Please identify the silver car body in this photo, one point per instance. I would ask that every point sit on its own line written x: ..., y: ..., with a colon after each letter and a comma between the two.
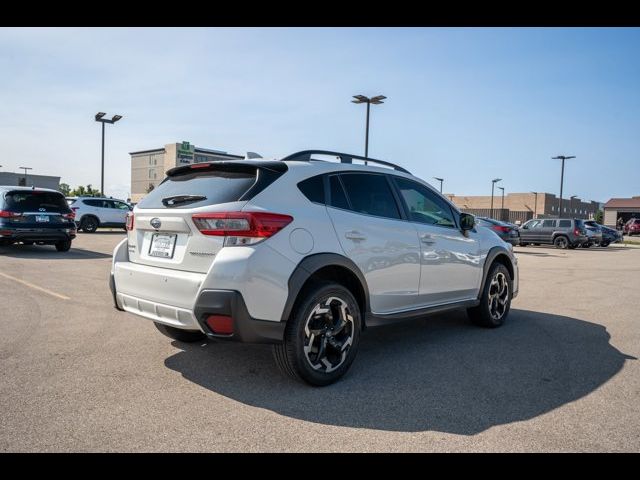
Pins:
x: 407, y: 265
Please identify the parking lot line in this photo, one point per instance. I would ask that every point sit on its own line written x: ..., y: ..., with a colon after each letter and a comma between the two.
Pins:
x: 35, y: 287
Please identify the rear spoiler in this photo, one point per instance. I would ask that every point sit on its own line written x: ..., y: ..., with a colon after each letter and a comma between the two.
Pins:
x: 240, y: 166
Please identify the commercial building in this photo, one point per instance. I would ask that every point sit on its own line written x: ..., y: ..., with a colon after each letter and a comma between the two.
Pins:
x: 19, y: 180
x: 525, y: 206
x: 148, y: 167
x: 624, y: 208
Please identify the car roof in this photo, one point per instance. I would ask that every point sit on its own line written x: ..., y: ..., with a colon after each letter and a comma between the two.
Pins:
x: 13, y: 188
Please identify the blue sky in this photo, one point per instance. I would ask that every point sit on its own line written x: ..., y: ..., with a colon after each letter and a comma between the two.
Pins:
x: 465, y: 104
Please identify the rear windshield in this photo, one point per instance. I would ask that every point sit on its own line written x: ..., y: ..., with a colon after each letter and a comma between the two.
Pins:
x: 199, y: 189
x: 36, y: 201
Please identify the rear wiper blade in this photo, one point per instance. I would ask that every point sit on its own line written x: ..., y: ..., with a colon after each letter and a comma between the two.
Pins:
x: 171, y: 201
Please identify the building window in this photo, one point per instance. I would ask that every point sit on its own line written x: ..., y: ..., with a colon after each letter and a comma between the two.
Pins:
x: 553, y: 209
x: 153, y: 174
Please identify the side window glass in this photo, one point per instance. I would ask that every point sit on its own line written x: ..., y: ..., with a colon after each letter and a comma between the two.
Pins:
x: 370, y: 194
x: 424, y: 205
x: 338, y: 198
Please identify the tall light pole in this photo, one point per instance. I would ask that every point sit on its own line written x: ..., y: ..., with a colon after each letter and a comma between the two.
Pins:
x: 502, y: 205
x: 563, y: 158
x: 440, y: 180
x: 377, y: 100
x: 99, y: 118
x: 535, y: 207
x: 25, y: 174
x: 493, y: 184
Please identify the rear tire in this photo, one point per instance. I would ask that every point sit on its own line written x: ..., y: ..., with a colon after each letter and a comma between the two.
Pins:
x: 186, y: 336
x: 561, y: 242
x: 322, y: 335
x: 89, y: 224
x: 605, y: 244
x: 495, y: 301
x: 63, y: 246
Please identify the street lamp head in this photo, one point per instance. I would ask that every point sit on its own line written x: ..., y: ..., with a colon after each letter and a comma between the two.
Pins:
x: 99, y: 115
x: 360, y: 99
x: 377, y: 100
x: 563, y: 157
x: 439, y: 179
x: 501, y: 188
x: 573, y: 196
x: 116, y: 118
x: 496, y: 180
x: 535, y: 193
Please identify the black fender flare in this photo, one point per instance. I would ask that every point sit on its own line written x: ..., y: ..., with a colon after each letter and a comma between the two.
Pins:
x: 310, y: 265
x: 488, y: 261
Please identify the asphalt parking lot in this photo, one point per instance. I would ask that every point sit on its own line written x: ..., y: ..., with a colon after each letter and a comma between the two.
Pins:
x: 561, y: 375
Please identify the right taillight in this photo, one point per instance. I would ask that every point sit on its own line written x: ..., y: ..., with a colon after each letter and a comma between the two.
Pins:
x: 8, y: 214
x: 577, y: 232
x: 241, y: 228
x: 129, y: 221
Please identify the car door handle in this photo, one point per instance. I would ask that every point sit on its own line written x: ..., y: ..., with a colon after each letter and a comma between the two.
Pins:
x: 427, y: 239
x: 355, y: 235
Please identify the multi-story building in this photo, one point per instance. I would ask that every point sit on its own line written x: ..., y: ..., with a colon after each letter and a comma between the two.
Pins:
x: 148, y: 167
x: 524, y: 206
x: 22, y: 180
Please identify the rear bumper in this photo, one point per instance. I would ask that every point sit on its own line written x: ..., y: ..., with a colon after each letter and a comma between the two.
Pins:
x: 52, y: 235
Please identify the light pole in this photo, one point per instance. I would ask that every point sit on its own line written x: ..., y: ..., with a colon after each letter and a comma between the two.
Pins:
x: 535, y: 207
x: 440, y: 180
x: 377, y: 100
x: 563, y: 158
x: 571, y: 203
x: 99, y: 118
x: 502, y: 205
x: 493, y: 184
x: 25, y: 174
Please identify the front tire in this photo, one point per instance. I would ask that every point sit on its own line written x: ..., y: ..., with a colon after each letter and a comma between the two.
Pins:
x: 495, y: 301
x: 63, y: 246
x: 322, y: 335
x: 187, y: 336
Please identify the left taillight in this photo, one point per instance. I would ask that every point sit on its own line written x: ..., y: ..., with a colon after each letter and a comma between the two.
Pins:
x: 130, y: 221
x: 8, y: 214
x: 69, y: 216
x: 500, y: 228
x: 241, y: 228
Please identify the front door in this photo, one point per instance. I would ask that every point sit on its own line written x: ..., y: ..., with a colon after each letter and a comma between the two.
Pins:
x: 450, y: 260
x: 531, y: 231
x: 370, y: 229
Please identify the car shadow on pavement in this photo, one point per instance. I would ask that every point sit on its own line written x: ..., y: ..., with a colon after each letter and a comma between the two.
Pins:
x: 48, y: 252
x: 439, y: 374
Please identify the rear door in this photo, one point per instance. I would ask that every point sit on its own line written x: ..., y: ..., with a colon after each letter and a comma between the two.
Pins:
x: 545, y: 234
x: 120, y: 212
x: 164, y: 234
x: 368, y: 222
x: 39, y: 210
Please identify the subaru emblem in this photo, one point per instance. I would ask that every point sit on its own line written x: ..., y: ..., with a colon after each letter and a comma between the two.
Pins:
x: 156, y: 223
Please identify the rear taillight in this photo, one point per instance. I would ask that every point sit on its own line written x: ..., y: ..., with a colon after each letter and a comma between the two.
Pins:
x: 8, y: 214
x: 241, y: 228
x: 500, y: 228
x: 69, y: 216
x: 129, y: 221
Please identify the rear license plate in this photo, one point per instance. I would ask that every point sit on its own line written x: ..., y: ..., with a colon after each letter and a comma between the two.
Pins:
x: 162, y: 245
x: 42, y: 218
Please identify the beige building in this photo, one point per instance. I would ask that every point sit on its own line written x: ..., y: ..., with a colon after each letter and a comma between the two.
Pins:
x: 148, y: 167
x: 621, y: 208
x: 524, y: 206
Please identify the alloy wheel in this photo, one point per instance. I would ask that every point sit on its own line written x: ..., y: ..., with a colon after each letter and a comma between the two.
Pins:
x: 328, y: 331
x: 498, y: 295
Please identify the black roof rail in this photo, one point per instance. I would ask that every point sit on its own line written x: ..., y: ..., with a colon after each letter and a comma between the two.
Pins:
x: 305, y: 156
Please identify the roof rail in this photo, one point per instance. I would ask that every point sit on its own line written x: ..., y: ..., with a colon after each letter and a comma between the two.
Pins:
x: 305, y: 156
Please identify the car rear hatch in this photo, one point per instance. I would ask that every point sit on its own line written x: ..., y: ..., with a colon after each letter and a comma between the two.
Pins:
x: 162, y: 230
x: 36, y: 211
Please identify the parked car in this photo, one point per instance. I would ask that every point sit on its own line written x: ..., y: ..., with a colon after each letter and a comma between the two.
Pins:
x: 96, y: 212
x: 563, y: 232
x: 303, y: 254
x: 594, y: 234
x: 632, y: 227
x: 608, y: 235
x: 35, y: 215
x: 506, y: 231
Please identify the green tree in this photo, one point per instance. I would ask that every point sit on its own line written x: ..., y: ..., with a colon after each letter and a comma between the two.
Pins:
x: 599, y: 216
x: 65, y: 189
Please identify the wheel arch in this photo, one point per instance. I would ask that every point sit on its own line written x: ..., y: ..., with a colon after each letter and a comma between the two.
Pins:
x: 499, y: 255
x: 327, y: 267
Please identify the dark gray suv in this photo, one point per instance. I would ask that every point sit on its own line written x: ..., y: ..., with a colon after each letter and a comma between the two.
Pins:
x: 561, y: 232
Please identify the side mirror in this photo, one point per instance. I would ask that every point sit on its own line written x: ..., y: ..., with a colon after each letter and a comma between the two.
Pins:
x: 525, y: 227
x: 467, y: 222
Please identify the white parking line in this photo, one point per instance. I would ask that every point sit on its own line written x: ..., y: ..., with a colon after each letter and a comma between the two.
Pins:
x: 35, y: 287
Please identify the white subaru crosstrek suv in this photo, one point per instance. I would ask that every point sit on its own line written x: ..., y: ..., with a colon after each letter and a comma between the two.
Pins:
x: 304, y: 254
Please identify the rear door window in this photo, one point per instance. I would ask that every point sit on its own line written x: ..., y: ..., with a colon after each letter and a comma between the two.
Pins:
x: 338, y: 197
x: 564, y: 224
x: 199, y: 189
x: 313, y: 188
x: 370, y: 194
x: 36, y: 201
x: 548, y: 223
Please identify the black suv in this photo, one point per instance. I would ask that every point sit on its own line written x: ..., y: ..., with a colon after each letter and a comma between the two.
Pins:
x: 35, y: 215
x: 561, y: 232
